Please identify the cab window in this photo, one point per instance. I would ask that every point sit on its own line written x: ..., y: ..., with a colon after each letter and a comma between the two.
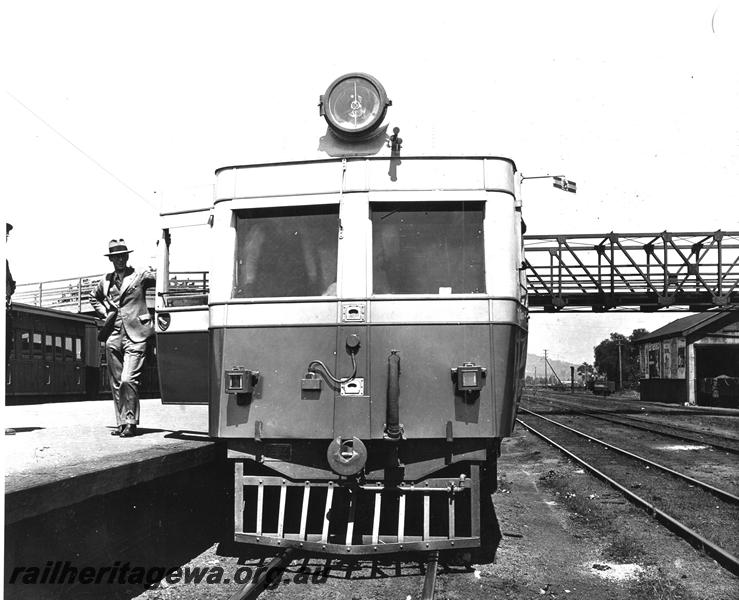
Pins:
x: 286, y: 252
x: 429, y: 248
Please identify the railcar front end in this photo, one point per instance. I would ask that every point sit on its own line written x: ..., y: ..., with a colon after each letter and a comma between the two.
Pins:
x: 362, y: 342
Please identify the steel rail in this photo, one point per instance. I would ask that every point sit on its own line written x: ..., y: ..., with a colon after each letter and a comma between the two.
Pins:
x: 606, y: 416
x: 567, y: 398
x: 724, y: 558
x: 274, y: 568
x: 723, y: 494
x: 277, y: 565
x: 717, y: 411
x: 429, y: 582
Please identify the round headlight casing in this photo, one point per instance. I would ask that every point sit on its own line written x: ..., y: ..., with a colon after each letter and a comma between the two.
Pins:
x: 354, y: 105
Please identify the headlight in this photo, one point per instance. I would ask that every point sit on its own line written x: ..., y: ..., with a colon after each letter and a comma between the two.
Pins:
x: 354, y: 105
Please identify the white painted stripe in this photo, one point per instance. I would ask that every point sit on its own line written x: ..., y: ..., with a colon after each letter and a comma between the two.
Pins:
x: 275, y: 313
x: 379, y: 312
x: 429, y: 311
x: 218, y: 315
x: 507, y: 311
x: 186, y: 320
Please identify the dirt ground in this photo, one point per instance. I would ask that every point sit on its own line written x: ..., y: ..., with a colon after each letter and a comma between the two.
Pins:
x: 565, y: 535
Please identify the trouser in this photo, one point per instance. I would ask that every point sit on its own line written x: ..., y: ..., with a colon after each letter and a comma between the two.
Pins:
x: 125, y: 364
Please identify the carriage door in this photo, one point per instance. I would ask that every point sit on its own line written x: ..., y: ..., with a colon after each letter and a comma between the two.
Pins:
x: 50, y: 372
x: 11, y: 354
x: 182, y: 342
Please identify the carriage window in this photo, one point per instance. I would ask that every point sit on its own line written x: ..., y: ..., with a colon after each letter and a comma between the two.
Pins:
x: 78, y: 348
x: 433, y: 248
x: 68, y: 351
x: 37, y: 346
x: 25, y: 344
x: 286, y: 251
x: 48, y: 347
x: 59, y: 347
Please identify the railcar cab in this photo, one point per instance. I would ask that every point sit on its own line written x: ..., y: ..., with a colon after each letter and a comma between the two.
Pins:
x: 365, y: 325
x: 316, y: 256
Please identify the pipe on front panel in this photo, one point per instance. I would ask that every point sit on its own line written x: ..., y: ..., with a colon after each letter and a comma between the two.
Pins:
x: 393, y: 429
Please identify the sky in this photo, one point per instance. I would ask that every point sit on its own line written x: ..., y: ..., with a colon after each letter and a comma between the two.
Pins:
x: 109, y: 107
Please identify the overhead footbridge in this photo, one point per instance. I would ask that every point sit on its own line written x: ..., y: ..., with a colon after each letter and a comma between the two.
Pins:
x: 646, y: 272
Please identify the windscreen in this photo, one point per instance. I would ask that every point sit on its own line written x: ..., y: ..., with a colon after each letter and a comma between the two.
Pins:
x: 286, y: 251
x: 428, y: 248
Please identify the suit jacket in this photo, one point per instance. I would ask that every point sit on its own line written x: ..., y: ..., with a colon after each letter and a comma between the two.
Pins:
x: 131, y: 304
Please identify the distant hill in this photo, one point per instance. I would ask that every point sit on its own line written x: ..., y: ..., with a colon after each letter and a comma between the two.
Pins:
x: 535, y: 363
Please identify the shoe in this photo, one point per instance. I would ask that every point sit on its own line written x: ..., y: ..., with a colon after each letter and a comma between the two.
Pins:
x: 117, y: 430
x: 128, y: 431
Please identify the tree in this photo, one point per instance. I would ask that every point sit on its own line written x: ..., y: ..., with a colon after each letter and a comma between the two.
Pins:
x: 638, y: 333
x: 585, y: 371
x: 606, y: 357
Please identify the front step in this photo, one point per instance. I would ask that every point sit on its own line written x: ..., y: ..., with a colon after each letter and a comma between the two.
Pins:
x: 340, y: 518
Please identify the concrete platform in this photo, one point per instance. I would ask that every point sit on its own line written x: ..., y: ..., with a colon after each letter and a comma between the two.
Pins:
x: 63, y: 453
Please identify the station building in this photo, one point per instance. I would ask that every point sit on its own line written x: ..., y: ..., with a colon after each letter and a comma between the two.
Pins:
x: 693, y: 360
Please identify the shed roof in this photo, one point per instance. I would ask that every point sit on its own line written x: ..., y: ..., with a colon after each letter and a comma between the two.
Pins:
x: 688, y: 325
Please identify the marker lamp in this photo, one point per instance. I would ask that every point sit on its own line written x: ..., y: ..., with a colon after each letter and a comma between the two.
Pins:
x: 469, y: 377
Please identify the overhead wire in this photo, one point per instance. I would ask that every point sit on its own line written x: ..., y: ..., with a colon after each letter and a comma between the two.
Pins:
x: 85, y: 154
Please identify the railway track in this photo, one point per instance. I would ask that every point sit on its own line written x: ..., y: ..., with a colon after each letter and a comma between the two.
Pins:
x: 704, y: 515
x: 670, y: 409
x: 718, y: 441
x: 279, y: 563
x: 658, y: 412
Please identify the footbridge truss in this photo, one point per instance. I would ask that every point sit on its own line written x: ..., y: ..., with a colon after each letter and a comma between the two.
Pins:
x: 578, y: 272
x: 632, y: 271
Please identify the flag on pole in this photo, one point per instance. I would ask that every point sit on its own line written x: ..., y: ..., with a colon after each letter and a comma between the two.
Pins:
x: 565, y: 184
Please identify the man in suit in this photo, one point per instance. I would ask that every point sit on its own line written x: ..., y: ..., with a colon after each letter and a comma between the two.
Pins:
x: 120, y: 297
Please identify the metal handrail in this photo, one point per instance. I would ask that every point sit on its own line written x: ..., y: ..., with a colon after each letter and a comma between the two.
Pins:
x: 73, y: 296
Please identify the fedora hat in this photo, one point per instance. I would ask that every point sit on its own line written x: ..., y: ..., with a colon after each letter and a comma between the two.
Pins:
x: 117, y: 247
